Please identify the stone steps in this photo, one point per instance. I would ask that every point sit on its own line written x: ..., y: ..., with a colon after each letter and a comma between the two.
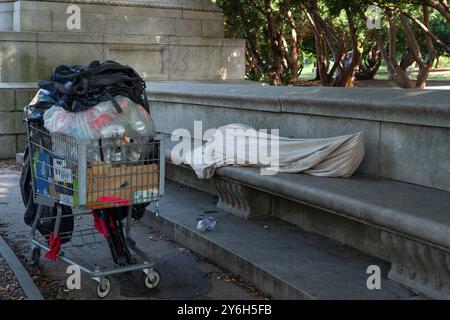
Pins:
x: 395, y: 207
x: 277, y: 257
x: 404, y: 224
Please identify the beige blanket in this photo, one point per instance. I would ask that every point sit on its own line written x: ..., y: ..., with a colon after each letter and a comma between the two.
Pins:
x: 240, y: 145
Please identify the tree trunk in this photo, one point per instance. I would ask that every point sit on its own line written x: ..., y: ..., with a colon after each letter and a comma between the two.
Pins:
x: 348, y: 72
x: 294, y: 53
x: 424, y: 67
x: 317, y: 78
x: 407, y: 60
x: 322, y: 62
x: 440, y: 6
x: 369, y: 66
x: 326, y: 38
x: 396, y: 73
x: 437, y: 61
x: 277, y: 58
x: 252, y: 51
x: 425, y: 72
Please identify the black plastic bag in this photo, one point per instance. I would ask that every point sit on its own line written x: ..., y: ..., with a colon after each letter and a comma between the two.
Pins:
x: 80, y: 87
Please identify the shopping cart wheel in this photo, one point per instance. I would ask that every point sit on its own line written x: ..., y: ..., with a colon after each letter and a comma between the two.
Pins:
x: 34, y: 256
x: 103, y: 287
x: 152, y: 278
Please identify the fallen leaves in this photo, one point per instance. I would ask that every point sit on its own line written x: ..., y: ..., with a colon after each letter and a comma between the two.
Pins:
x: 231, y: 279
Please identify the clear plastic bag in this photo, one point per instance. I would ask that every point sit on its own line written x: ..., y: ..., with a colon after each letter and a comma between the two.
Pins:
x: 101, y: 121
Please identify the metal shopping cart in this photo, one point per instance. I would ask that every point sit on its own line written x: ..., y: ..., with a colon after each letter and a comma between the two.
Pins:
x: 115, y: 178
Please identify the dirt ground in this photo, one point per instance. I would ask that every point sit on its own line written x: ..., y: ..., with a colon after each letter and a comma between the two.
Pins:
x: 9, y: 286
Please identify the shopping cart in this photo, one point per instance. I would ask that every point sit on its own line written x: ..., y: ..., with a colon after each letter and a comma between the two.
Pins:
x: 115, y: 178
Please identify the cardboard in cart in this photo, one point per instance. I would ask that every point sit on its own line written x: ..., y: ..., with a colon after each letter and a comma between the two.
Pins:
x: 125, y: 184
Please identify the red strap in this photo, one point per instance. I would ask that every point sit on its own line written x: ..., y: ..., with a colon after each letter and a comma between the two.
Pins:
x: 55, y: 245
x: 99, y: 224
x: 113, y: 200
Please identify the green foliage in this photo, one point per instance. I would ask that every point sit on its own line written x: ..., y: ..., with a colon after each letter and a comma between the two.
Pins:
x: 247, y: 19
x: 441, y: 28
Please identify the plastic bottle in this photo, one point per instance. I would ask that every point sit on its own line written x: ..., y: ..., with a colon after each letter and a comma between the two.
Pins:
x: 206, y: 224
x: 113, y: 131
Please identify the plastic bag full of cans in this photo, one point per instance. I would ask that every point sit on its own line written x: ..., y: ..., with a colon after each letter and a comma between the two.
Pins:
x: 101, y: 121
x: 102, y: 125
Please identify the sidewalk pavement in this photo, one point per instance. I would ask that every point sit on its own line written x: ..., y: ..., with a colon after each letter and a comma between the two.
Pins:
x: 185, y: 275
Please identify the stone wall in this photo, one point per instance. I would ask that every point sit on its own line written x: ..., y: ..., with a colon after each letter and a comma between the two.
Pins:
x: 115, y: 17
x: 407, y: 133
x: 162, y: 40
x: 30, y: 56
x: 13, y: 97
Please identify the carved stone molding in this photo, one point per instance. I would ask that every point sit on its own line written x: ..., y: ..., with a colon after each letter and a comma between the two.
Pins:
x: 138, y: 3
x: 241, y: 201
x: 419, y: 266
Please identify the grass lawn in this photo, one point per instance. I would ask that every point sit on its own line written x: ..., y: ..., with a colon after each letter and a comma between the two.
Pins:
x: 382, y: 74
x: 307, y: 74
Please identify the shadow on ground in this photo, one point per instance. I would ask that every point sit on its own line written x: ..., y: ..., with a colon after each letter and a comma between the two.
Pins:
x: 182, y: 278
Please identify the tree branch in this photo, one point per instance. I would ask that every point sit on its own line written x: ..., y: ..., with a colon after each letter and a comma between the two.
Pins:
x: 412, y: 41
x: 427, y: 31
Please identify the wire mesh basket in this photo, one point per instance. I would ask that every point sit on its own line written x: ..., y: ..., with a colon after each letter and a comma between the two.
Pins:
x: 103, y: 173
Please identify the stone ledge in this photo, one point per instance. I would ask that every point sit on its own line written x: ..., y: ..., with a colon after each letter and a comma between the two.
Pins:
x: 12, y: 36
x: 427, y: 107
x: 411, y: 144
x: 410, y: 210
x: 107, y: 38
x: 214, y: 41
x: 18, y: 85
